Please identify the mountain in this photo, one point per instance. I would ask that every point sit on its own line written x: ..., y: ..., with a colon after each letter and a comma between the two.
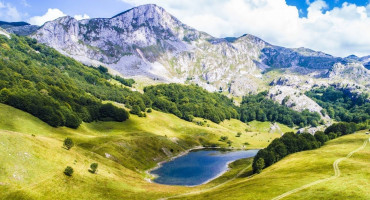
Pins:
x: 19, y: 28
x: 147, y: 41
x: 4, y: 24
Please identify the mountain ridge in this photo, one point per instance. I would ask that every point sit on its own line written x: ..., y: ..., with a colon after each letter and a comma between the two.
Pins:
x: 147, y: 41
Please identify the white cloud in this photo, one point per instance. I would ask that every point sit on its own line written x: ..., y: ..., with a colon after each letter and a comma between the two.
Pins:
x: 81, y: 17
x: 341, y: 31
x: 51, y: 14
x: 9, y: 13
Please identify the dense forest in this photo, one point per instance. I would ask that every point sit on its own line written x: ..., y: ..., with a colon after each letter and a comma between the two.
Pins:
x: 258, y: 107
x: 58, y: 89
x: 342, y: 105
x: 290, y: 143
x: 191, y: 101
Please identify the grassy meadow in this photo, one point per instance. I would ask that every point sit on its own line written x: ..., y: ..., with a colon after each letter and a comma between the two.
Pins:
x: 32, y: 159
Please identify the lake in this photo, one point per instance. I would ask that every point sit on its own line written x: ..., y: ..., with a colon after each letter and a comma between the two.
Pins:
x: 198, y: 166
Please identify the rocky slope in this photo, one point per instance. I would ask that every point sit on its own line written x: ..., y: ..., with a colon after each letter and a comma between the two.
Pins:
x: 148, y: 41
x: 19, y: 28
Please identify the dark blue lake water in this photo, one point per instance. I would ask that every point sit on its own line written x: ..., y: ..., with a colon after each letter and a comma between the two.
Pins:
x: 198, y: 166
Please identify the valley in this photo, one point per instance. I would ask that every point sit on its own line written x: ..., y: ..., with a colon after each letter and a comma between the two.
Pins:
x: 102, y: 108
x: 35, y: 164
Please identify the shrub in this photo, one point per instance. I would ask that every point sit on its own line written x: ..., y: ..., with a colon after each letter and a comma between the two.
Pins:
x: 68, y: 171
x: 102, y: 69
x: 135, y: 110
x: 93, y: 168
x: 238, y: 134
x: 223, y: 138
x: 68, y: 143
x: 149, y: 110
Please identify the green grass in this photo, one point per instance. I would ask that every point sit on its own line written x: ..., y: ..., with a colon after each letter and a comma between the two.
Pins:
x: 31, y: 167
x: 305, y: 167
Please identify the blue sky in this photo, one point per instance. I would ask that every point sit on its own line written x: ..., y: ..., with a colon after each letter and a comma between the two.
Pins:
x: 302, y: 5
x: 338, y: 27
x: 108, y: 8
x: 93, y: 8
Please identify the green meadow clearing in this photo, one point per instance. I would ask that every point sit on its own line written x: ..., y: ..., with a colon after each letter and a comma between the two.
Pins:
x: 32, y: 160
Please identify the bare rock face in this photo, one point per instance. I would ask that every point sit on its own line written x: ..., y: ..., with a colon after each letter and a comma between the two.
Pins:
x: 147, y: 41
x: 294, y: 98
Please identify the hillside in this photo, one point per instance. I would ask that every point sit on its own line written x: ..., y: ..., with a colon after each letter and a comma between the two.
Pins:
x: 307, y: 175
x: 33, y: 158
x: 30, y: 172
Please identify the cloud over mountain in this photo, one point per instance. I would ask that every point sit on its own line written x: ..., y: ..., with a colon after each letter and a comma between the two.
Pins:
x: 340, y: 31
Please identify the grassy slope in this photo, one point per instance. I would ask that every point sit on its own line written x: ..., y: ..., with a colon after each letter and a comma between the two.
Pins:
x: 31, y: 166
x: 302, y: 168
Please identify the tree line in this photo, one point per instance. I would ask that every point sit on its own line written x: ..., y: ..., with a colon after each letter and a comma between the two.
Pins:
x: 341, y: 104
x: 258, y: 107
x: 291, y: 143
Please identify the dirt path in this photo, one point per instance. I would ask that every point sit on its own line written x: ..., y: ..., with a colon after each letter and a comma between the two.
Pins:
x: 336, y: 175
x: 211, y: 188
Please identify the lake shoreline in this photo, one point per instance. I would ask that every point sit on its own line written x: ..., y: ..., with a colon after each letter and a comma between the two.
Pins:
x: 159, y: 164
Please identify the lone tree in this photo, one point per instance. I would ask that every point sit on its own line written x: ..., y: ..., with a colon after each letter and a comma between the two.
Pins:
x: 260, y: 164
x: 68, y: 171
x: 68, y: 143
x: 93, y: 168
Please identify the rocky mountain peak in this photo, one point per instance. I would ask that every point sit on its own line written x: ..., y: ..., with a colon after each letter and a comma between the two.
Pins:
x: 148, y: 41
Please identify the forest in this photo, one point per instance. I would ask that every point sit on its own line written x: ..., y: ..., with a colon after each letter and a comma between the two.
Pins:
x: 258, y: 107
x: 342, y: 105
x: 191, y: 101
x: 57, y: 89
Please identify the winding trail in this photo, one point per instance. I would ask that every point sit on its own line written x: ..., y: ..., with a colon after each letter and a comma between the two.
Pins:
x: 211, y: 188
x: 336, y: 175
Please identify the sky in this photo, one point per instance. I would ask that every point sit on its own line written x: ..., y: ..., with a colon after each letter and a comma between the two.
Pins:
x: 337, y: 27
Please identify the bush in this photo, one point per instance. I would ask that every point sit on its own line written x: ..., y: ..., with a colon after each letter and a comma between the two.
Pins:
x: 260, y: 164
x: 68, y: 171
x: 223, y: 138
x: 135, y: 110
x: 149, y: 110
x: 93, y: 168
x: 102, y: 69
x: 68, y: 143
